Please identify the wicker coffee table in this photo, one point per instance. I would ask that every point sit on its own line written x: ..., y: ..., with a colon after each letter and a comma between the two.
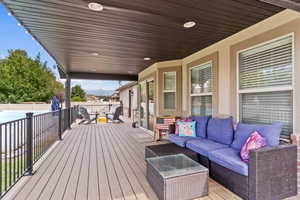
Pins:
x: 169, y: 149
x: 177, y: 177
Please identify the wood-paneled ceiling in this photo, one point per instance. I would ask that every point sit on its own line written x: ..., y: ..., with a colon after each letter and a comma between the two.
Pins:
x: 127, y: 31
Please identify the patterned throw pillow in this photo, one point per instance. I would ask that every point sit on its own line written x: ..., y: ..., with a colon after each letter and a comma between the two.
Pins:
x: 187, y: 129
x: 177, y: 126
x: 255, y: 141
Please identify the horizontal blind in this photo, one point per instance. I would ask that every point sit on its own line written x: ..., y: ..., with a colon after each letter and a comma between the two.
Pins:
x: 201, y: 105
x: 201, y: 79
x: 268, y: 108
x: 268, y: 65
x: 169, y: 100
x: 169, y: 80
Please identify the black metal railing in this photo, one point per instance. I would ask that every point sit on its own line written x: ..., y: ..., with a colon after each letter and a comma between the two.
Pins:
x: 24, y: 141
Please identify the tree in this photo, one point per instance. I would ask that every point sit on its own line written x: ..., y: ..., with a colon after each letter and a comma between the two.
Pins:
x: 23, y: 79
x: 78, y: 94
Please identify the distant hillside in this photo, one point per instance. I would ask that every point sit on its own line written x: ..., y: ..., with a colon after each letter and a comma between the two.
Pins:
x: 100, y: 92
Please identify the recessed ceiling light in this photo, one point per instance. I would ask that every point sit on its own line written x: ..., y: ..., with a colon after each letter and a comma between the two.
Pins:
x: 147, y: 58
x: 189, y: 24
x: 93, y: 70
x: 130, y: 72
x: 95, y: 54
x: 95, y: 6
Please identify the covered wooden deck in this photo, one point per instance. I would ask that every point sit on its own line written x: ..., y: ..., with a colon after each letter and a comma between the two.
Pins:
x: 97, y: 162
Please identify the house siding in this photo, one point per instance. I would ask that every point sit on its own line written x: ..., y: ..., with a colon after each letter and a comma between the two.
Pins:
x: 124, y: 97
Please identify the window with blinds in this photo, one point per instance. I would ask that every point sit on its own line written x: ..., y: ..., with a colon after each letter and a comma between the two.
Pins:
x: 169, y: 90
x: 266, y: 84
x: 201, y: 90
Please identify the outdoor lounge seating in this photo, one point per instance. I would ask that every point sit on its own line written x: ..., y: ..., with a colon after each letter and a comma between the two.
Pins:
x: 271, y: 172
x: 115, y: 116
x: 86, y: 117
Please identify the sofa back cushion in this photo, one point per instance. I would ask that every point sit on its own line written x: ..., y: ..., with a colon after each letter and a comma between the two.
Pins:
x: 270, y: 132
x: 201, y: 125
x: 220, y: 130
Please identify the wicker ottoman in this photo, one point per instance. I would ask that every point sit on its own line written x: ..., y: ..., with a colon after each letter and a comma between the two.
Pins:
x: 169, y: 149
x: 177, y: 177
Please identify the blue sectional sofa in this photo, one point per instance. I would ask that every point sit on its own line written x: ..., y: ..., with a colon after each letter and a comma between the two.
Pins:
x: 271, y: 172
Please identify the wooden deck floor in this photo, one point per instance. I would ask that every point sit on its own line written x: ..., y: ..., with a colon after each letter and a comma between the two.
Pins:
x: 97, y: 162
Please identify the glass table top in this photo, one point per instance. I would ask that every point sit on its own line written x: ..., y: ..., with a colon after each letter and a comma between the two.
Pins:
x: 175, y: 165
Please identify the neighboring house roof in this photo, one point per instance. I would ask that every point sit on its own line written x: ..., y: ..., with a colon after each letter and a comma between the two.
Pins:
x: 128, y: 85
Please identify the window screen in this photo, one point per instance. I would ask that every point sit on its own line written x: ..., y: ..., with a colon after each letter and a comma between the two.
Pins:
x: 169, y: 90
x: 201, y: 79
x: 201, y: 105
x: 268, y: 108
x: 267, y: 66
x: 263, y: 72
x: 201, y: 90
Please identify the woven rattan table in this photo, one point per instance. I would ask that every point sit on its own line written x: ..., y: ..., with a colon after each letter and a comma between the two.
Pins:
x: 169, y: 149
x: 177, y: 177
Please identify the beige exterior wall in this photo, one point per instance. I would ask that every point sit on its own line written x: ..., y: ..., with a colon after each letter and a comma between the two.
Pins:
x: 224, y: 47
x: 278, y: 25
x: 152, y: 73
x: 124, y: 97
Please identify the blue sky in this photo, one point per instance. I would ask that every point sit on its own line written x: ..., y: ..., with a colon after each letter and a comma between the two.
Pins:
x: 15, y: 37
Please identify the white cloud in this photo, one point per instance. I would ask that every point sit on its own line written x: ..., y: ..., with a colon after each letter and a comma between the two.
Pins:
x: 2, y: 56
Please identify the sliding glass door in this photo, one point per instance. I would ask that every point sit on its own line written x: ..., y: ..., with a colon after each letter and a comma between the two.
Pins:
x: 143, y: 105
x: 147, y: 105
x: 150, y: 87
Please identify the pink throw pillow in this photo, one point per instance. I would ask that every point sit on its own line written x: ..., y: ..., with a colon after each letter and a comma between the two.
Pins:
x: 255, y: 141
x: 177, y: 126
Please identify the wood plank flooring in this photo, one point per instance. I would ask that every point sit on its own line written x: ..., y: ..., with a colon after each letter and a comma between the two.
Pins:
x: 98, y: 162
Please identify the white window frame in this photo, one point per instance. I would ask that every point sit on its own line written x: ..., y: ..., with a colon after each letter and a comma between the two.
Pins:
x: 266, y: 89
x: 190, y: 84
x: 169, y: 91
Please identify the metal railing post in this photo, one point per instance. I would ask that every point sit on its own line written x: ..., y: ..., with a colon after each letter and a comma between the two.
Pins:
x: 29, y: 142
x: 69, y: 118
x: 59, y: 124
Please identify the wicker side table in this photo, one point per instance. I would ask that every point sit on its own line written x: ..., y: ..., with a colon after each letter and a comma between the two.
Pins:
x: 177, y: 177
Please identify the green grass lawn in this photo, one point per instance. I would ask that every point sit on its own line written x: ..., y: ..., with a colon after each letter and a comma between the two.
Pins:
x: 17, y: 166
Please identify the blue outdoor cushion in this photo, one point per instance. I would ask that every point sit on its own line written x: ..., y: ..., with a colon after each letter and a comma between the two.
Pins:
x: 220, y: 130
x: 204, y: 146
x: 270, y: 132
x: 179, y: 140
x: 201, y: 125
x: 230, y: 159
